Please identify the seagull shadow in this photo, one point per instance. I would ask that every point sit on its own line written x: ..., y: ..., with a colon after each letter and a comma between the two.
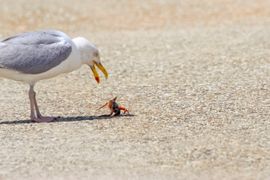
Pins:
x: 68, y: 119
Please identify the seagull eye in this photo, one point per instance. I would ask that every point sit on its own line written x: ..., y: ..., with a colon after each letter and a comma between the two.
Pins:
x: 96, y: 54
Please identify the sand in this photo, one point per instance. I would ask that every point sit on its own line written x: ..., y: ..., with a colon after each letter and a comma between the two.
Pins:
x: 194, y: 74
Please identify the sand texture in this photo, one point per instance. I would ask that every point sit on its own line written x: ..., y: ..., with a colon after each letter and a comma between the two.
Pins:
x: 194, y: 74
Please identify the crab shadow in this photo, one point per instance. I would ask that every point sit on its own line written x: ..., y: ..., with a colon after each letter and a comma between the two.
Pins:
x: 68, y: 119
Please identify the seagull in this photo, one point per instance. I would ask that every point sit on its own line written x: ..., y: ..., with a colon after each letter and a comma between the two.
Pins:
x: 33, y: 56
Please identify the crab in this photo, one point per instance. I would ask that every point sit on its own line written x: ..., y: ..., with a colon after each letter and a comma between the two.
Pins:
x: 114, y: 108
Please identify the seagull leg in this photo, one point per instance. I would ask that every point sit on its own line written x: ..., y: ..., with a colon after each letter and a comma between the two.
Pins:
x: 34, y: 106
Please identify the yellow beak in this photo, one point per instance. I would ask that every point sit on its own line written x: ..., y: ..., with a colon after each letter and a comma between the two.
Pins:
x: 95, y: 73
x: 102, y: 68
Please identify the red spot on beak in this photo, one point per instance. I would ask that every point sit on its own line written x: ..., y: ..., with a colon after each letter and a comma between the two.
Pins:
x: 97, y: 79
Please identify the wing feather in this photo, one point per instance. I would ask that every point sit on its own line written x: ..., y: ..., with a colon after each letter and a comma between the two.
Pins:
x: 34, y: 52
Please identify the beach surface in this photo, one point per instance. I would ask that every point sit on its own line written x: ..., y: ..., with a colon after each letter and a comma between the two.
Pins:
x: 194, y: 75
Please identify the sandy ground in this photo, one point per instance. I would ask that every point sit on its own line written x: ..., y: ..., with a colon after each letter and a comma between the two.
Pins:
x: 195, y: 75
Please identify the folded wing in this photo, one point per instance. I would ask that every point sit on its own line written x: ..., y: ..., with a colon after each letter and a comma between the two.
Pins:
x: 34, y: 52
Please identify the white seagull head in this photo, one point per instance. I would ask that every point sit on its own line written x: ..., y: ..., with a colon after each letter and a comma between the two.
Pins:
x: 89, y: 55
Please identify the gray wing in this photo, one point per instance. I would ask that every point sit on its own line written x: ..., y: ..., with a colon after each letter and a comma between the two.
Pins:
x: 34, y: 52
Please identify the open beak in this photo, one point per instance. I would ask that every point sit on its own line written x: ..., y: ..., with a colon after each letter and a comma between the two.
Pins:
x: 102, y: 69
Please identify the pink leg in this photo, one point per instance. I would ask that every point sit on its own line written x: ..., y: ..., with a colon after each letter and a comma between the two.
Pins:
x: 32, y: 115
x: 37, y: 117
